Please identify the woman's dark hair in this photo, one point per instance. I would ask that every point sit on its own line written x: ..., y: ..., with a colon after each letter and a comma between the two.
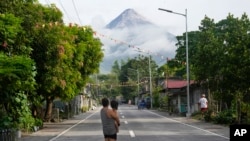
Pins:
x: 114, y: 104
x: 105, y: 102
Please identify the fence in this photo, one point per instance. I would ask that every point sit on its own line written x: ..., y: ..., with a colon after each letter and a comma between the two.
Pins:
x: 8, y: 135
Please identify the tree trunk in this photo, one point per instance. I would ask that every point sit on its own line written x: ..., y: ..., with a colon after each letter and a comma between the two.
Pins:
x: 49, y: 106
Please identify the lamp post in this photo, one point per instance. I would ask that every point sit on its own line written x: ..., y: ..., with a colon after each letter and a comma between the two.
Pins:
x: 187, y: 62
x: 138, y: 88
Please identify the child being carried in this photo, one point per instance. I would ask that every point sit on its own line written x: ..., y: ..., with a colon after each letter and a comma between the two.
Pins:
x: 114, y: 106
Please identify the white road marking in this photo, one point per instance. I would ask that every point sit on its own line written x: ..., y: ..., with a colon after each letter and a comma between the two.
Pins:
x: 123, y: 117
x: 72, y: 126
x: 126, y: 122
x: 189, y: 125
x: 132, y: 134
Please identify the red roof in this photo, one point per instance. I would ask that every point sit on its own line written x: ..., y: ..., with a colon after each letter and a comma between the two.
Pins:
x: 176, y: 84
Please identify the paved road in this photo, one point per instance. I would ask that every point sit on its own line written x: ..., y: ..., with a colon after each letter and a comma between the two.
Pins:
x: 136, y: 125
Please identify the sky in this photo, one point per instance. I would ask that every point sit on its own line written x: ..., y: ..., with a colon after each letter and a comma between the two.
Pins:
x: 98, y: 13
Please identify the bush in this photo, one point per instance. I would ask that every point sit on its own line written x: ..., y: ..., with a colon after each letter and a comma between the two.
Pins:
x: 5, y: 122
x: 209, y: 116
x: 38, y: 122
x: 27, y: 123
x: 225, y: 117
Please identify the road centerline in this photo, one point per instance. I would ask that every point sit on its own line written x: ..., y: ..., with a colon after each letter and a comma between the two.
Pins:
x: 131, y: 133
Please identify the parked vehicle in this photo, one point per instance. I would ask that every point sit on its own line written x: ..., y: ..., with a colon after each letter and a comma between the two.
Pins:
x: 141, y: 104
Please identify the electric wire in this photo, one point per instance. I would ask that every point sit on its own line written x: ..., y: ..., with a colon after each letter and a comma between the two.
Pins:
x: 48, y: 2
x: 65, y: 11
x: 77, y: 14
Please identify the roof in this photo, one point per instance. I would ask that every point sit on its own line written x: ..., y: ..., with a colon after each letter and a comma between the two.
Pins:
x: 176, y: 83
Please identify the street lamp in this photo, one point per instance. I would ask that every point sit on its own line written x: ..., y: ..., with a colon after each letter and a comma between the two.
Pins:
x: 138, y: 88
x: 187, y: 62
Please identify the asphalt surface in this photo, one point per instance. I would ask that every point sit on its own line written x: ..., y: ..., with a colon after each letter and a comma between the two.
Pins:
x: 136, y: 125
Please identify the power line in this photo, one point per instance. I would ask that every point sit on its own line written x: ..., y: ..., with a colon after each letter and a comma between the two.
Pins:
x: 77, y: 12
x: 65, y: 10
x: 48, y: 2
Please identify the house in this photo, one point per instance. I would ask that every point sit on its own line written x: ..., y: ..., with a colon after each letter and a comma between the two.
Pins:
x: 87, y: 100
x: 176, y: 89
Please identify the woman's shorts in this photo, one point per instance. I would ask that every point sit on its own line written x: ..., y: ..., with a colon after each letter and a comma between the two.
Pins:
x: 203, y: 109
x: 114, y: 136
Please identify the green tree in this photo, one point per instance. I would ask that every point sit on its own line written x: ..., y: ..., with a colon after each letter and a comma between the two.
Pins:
x: 222, y: 57
x: 32, y: 15
x: 178, y: 64
x: 116, y: 68
x: 17, y: 70
x: 10, y: 26
x: 128, y: 77
x: 65, y: 56
x: 17, y: 84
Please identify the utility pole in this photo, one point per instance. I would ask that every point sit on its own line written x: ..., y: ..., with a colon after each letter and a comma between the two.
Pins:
x: 150, y: 82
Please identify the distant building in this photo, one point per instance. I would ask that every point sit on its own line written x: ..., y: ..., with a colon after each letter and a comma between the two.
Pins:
x: 176, y: 89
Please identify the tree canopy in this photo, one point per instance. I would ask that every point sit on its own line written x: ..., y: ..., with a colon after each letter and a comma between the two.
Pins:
x: 36, y: 45
x: 219, y: 58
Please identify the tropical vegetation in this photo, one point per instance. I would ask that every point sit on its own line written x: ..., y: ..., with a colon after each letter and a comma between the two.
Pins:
x: 41, y: 59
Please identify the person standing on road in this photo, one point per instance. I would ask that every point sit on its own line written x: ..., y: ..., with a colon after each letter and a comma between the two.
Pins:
x: 203, y: 104
x: 108, y: 118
